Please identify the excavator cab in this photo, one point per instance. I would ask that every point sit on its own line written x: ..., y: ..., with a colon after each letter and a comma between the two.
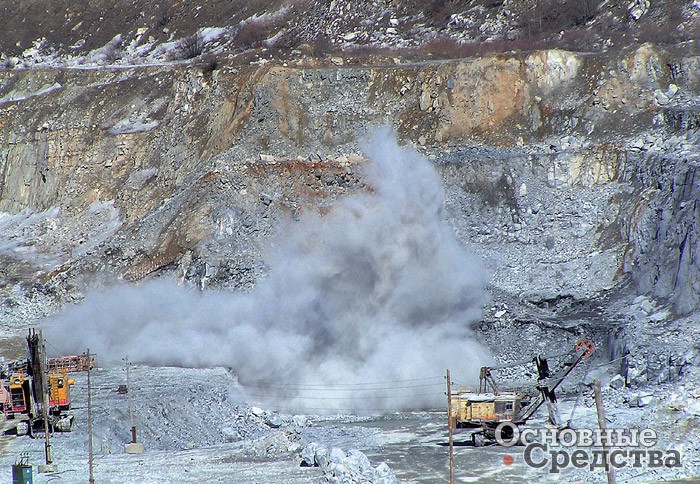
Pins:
x: 59, y: 391
x: 473, y: 410
x: 19, y: 401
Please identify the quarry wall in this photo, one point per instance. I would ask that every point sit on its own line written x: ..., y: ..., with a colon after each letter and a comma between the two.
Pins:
x: 189, y: 168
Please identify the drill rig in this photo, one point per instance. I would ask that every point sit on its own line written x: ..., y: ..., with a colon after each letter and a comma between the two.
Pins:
x: 490, y: 406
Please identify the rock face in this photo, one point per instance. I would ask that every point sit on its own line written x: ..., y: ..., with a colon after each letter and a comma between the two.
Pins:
x: 663, y: 230
x: 551, y: 162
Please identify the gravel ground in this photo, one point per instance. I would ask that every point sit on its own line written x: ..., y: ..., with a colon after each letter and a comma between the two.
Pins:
x: 196, y: 426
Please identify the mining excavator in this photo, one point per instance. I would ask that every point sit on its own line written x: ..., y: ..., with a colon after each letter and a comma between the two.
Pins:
x: 25, y: 383
x: 486, y: 409
x: 23, y: 406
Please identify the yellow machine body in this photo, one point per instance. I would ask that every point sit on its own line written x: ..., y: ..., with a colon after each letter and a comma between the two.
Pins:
x: 468, y: 409
x: 59, y: 391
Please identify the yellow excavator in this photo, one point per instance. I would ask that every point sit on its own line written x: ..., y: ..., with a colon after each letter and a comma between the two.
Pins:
x: 486, y: 409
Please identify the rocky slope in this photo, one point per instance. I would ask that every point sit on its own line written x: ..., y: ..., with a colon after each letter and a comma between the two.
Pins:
x: 144, y: 31
x: 567, y: 171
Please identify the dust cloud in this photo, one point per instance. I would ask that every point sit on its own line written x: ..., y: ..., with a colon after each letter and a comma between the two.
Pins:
x: 376, y: 290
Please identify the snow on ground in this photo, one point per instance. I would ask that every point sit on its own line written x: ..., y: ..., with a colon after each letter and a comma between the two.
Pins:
x: 47, y: 239
x: 196, y: 427
x: 192, y: 422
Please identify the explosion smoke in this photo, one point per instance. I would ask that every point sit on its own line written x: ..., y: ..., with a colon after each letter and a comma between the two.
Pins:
x: 378, y: 289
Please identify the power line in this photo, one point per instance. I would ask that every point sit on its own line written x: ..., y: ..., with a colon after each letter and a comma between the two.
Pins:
x: 347, y: 410
x: 440, y: 377
x: 358, y: 397
x: 333, y: 388
x: 156, y: 386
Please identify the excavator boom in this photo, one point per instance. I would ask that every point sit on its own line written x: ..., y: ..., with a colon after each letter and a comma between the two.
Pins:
x: 548, y: 382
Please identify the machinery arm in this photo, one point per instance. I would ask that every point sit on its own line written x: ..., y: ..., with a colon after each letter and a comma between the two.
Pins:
x: 548, y: 382
x: 485, y: 379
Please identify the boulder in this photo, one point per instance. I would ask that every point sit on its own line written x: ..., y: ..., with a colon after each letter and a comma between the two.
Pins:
x: 341, y: 468
x: 358, y: 461
x: 308, y: 455
x: 384, y: 475
x: 300, y: 420
x: 274, y: 421
x: 645, y: 399
x: 637, y: 376
x: 321, y: 458
x: 638, y: 8
x: 336, y: 456
x: 617, y: 382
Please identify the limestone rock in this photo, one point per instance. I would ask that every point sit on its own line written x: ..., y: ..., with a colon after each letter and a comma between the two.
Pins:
x: 617, y: 382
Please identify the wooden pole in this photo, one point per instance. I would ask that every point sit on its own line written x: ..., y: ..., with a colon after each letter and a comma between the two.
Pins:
x: 603, y: 426
x: 89, y: 399
x: 449, y: 426
x: 44, y: 397
x: 128, y: 394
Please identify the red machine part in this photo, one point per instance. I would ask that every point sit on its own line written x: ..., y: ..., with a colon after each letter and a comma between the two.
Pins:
x: 586, y: 344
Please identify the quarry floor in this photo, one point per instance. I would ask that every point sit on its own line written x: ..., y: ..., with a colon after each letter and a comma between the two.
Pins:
x: 182, y: 438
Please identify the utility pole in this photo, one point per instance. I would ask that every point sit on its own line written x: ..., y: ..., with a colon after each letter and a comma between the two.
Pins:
x: 131, y: 407
x: 89, y: 399
x: 449, y: 426
x: 133, y: 447
x: 603, y: 427
x: 44, y: 397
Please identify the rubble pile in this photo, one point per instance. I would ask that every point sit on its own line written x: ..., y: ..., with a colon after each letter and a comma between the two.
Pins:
x: 340, y: 467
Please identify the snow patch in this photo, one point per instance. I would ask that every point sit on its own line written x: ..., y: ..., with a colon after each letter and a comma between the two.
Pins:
x: 22, y: 236
x: 23, y: 96
x: 130, y: 126
x: 211, y: 34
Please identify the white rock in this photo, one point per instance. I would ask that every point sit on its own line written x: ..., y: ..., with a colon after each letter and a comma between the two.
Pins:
x: 308, y: 454
x: 257, y: 411
x: 661, y: 98
x: 636, y: 375
x: 645, y: 305
x: 425, y: 101
x: 358, y: 461
x: 384, y: 475
x: 300, y: 420
x: 523, y: 190
x: 617, y: 382
x: 274, y: 421
x: 337, y: 455
x: 638, y: 8
x: 321, y: 457
x: 693, y: 407
x: 659, y: 316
